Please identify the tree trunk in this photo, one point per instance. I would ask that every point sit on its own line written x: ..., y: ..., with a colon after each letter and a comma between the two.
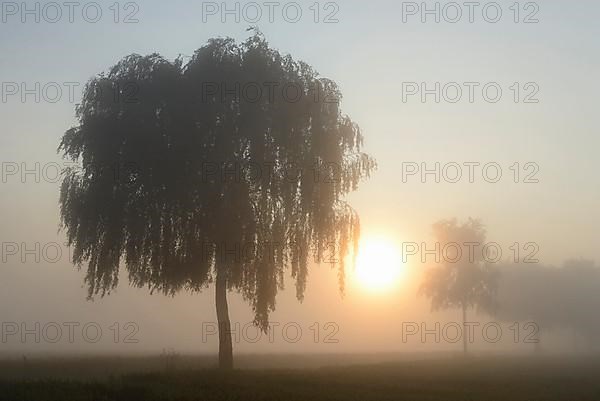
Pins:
x: 464, y: 319
x: 225, y: 343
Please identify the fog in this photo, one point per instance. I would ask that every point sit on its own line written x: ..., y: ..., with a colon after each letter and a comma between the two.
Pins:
x: 541, y: 212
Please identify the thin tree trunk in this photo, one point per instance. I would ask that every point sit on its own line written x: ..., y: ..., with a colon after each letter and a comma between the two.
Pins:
x: 464, y: 318
x: 225, y: 343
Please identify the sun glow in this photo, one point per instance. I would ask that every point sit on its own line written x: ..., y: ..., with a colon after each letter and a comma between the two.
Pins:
x: 378, y: 264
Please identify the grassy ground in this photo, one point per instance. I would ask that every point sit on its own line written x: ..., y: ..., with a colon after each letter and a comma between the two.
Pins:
x: 448, y: 379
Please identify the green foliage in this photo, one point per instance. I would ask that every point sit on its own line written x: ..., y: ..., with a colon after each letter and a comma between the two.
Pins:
x: 149, y: 133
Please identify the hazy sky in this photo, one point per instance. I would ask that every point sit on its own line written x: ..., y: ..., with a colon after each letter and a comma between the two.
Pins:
x: 370, y: 52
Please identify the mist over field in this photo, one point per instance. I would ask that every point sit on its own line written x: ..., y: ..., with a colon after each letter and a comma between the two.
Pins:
x: 389, y: 200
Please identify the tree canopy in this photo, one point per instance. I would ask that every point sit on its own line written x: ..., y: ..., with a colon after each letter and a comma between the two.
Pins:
x: 153, y: 189
x: 466, y: 280
x: 552, y: 297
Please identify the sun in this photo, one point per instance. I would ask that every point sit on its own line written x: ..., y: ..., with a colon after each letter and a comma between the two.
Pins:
x: 378, y: 264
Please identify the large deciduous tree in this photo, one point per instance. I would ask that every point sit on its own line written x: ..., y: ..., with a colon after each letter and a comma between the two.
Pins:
x: 241, y: 148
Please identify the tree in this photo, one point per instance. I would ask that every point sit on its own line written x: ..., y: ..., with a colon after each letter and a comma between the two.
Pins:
x: 551, y: 298
x: 463, y: 278
x: 229, y: 169
x: 530, y: 293
x: 579, y: 300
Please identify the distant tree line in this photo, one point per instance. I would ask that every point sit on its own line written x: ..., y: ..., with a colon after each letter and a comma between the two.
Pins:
x: 554, y: 298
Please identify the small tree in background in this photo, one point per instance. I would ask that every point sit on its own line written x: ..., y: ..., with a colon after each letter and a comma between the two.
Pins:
x: 175, y: 212
x: 462, y: 280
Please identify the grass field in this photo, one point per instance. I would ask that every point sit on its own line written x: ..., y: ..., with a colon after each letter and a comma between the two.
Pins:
x: 474, y: 378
